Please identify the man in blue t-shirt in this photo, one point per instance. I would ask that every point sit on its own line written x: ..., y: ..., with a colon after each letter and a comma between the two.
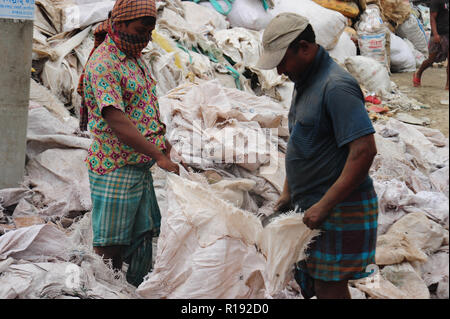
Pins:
x: 438, y: 46
x: 330, y: 150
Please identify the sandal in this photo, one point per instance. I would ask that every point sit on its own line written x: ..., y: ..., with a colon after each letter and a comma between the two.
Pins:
x: 416, y: 80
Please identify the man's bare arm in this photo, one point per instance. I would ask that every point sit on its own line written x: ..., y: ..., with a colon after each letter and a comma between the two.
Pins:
x: 284, y: 202
x: 360, y: 158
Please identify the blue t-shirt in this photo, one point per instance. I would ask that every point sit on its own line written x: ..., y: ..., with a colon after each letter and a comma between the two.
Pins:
x: 326, y: 114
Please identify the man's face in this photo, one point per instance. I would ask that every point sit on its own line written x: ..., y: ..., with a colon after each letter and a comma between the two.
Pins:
x: 294, y: 63
x: 140, y: 27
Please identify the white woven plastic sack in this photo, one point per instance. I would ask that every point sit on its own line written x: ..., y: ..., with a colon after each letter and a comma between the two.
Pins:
x: 435, y: 272
x: 414, y: 31
x: 419, y: 56
x: 402, y: 57
x: 85, y: 13
x: 35, y: 243
x: 242, y: 45
x: 249, y: 14
x: 373, y: 45
x: 201, y: 18
x: 344, y: 49
x: 327, y: 24
x: 369, y: 73
x: 370, y: 21
x: 34, y: 264
x: 61, y: 177
x: 209, y: 248
x: 59, y: 76
x: 405, y: 278
x: 372, y: 35
x: 410, y: 239
x: 205, y: 119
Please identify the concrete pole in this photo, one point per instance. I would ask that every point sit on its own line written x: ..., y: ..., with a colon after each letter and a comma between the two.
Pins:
x: 16, y: 40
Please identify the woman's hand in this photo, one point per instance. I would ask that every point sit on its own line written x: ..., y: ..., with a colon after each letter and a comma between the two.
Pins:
x: 166, y: 164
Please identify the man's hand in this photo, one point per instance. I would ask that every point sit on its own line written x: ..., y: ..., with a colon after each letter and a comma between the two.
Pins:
x: 361, y: 154
x: 315, y: 216
x: 283, y: 203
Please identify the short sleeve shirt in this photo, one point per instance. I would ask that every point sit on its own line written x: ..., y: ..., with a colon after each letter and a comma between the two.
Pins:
x: 113, y: 79
x: 327, y: 113
x: 441, y: 8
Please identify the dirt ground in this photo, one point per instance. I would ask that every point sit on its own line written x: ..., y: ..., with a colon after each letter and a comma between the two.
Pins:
x: 431, y: 92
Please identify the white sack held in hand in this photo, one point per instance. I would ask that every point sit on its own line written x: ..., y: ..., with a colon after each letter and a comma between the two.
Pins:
x: 207, y: 248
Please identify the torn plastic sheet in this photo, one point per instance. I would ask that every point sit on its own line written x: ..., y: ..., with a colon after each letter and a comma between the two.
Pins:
x: 43, y: 262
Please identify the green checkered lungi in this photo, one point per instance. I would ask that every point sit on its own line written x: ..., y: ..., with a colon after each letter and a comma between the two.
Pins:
x: 125, y: 212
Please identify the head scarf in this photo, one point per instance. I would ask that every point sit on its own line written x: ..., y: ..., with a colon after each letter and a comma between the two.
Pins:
x: 131, y: 45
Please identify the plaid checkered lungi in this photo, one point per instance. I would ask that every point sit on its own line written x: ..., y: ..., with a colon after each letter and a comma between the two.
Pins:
x: 124, y: 205
x: 125, y: 212
x: 347, y: 243
x: 440, y: 49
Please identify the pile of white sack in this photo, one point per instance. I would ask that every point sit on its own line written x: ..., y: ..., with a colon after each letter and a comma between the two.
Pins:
x: 228, y: 119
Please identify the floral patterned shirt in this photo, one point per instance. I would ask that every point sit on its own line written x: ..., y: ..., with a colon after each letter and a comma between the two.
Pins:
x: 113, y: 79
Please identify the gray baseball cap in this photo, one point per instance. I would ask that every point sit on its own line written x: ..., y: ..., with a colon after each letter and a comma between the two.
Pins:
x: 279, y: 34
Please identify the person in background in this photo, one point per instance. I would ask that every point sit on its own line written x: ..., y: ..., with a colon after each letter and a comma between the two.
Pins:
x: 330, y: 150
x: 120, y: 108
x: 438, y: 46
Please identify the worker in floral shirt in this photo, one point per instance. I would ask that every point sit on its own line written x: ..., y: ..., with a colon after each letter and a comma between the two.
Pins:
x: 120, y: 108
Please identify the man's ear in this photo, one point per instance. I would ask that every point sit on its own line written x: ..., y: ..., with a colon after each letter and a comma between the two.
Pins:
x: 303, y: 46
